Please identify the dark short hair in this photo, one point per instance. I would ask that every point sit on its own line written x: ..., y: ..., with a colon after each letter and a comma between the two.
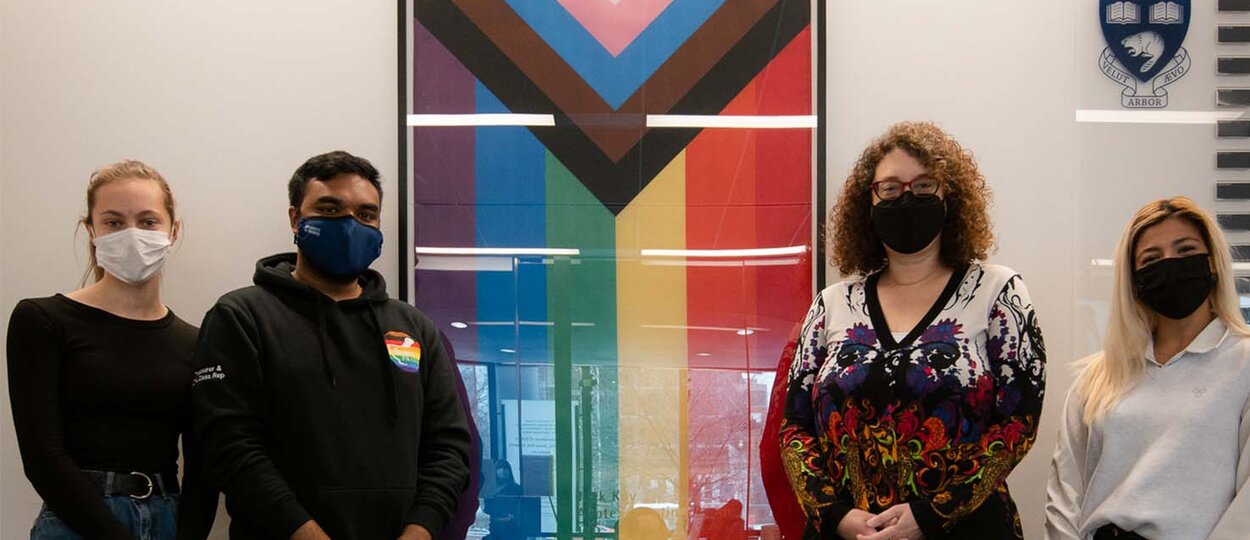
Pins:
x: 327, y: 166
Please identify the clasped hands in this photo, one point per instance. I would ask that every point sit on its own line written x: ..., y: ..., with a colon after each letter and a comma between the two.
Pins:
x: 896, y: 523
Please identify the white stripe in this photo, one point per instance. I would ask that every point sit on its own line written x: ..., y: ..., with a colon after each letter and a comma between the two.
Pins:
x: 723, y: 264
x: 1153, y: 117
x: 484, y: 119
x: 424, y: 250
x: 464, y: 264
x: 1238, y: 266
x: 729, y: 121
x: 718, y: 253
x: 527, y: 323
x: 741, y: 331
x: 653, y: 120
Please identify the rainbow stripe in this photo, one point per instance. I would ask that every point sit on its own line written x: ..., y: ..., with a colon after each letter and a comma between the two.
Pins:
x: 404, y: 351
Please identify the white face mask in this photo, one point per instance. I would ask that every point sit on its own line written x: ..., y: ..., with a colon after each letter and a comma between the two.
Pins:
x: 132, y: 255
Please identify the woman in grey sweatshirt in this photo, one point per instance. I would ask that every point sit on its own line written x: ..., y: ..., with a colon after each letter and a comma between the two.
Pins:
x: 1156, y: 429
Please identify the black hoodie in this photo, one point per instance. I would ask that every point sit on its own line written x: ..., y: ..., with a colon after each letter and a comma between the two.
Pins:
x: 345, y: 413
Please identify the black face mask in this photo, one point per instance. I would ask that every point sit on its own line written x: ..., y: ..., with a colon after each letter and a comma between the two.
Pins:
x: 1175, y: 287
x: 909, y: 223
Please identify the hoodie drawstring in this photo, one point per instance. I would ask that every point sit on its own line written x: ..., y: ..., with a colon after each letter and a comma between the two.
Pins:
x: 388, y: 374
x: 321, y: 340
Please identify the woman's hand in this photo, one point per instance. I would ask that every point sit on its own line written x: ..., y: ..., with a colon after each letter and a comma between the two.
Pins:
x: 310, y: 531
x: 896, y: 523
x: 855, y: 524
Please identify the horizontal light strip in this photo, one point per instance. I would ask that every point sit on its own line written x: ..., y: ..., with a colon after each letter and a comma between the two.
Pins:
x: 747, y: 330
x: 722, y: 253
x: 484, y: 119
x: 424, y: 250
x: 723, y: 264
x: 653, y: 120
x: 527, y: 323
x: 729, y: 121
x: 446, y: 263
x: 1111, y: 116
x: 1238, y: 266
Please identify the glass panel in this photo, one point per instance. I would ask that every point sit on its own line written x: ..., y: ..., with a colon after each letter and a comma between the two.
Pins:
x: 1115, y: 178
x: 617, y: 292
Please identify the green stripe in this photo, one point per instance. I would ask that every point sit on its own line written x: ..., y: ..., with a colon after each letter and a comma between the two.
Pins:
x: 583, y: 291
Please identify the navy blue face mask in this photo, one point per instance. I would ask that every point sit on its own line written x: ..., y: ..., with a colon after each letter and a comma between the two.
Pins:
x: 339, y: 247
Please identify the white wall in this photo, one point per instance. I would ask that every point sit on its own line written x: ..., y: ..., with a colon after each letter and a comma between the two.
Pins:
x: 226, y: 99
x: 5, y: 447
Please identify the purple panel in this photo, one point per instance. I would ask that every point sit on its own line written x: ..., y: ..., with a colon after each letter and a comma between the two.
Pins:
x: 443, y: 186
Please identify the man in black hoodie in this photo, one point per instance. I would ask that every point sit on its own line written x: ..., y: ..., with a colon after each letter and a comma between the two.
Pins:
x: 325, y: 408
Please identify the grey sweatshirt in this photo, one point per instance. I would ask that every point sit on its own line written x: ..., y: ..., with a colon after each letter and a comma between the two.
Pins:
x: 1170, y: 460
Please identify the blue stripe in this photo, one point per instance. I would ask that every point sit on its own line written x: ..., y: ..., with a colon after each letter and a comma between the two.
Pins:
x: 511, y: 212
x: 615, y: 79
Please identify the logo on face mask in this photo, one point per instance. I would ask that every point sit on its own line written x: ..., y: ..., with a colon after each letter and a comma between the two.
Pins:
x: 132, y: 255
x: 340, y: 247
x: 404, y: 351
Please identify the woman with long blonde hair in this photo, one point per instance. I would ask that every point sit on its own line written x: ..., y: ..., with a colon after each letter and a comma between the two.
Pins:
x: 1154, y: 441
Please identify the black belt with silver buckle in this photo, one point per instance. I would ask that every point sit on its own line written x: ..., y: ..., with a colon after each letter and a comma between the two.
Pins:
x: 135, y: 485
x: 1113, y: 532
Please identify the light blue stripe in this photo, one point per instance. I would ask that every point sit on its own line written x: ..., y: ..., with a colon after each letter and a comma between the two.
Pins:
x: 615, y: 79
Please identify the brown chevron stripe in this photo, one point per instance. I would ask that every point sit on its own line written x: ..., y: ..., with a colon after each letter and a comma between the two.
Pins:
x: 621, y: 157
x: 579, y: 101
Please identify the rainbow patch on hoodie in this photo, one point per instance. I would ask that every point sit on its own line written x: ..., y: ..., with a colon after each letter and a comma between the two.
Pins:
x: 404, y: 351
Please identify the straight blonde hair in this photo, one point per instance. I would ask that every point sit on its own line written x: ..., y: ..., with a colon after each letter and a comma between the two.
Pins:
x: 1108, y: 374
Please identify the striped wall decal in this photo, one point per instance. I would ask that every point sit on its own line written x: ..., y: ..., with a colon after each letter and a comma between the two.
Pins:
x: 1234, y: 222
x: 1232, y: 129
x: 1232, y: 191
x: 1232, y: 159
x: 1234, y: 5
x: 1232, y: 65
x: 1232, y: 97
x: 1233, y: 34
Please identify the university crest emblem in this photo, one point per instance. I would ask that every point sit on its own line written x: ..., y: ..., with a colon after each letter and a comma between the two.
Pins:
x: 1144, y: 52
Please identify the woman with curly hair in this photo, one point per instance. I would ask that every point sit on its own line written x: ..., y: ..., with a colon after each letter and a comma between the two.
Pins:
x: 1156, y: 435
x: 918, y: 382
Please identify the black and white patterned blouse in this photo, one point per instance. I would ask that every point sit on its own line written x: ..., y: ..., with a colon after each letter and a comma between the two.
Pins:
x: 936, y: 418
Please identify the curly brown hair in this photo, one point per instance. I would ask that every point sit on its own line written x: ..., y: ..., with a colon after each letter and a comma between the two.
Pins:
x: 966, y: 235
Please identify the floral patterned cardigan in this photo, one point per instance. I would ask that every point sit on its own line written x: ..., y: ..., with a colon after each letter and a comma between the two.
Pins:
x: 936, y: 418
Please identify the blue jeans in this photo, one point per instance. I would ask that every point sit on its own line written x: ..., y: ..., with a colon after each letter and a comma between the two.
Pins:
x: 155, y: 518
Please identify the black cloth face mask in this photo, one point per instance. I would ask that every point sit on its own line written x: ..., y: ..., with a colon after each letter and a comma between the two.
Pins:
x: 1176, y: 286
x: 909, y: 223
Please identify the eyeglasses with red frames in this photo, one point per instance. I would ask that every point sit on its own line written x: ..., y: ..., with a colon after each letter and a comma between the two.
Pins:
x: 888, y: 190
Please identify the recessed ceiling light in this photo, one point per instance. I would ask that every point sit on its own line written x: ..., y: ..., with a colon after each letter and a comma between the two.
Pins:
x: 746, y: 332
x: 459, y: 324
x: 508, y: 351
x: 703, y: 354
